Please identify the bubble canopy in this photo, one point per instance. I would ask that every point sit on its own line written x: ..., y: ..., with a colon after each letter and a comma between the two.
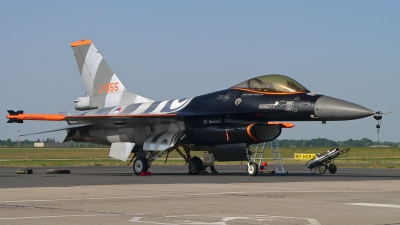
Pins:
x: 273, y: 83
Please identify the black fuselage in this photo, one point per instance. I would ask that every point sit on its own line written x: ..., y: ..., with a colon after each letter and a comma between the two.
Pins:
x: 256, y: 107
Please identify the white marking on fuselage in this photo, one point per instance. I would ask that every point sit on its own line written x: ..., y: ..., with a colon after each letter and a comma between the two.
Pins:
x: 142, y: 108
x: 375, y: 205
x: 159, y: 107
x: 176, y: 105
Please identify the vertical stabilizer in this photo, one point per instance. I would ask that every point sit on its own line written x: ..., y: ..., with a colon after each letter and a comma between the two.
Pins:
x: 103, y: 88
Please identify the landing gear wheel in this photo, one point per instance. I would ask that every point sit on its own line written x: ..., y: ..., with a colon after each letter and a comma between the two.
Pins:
x: 332, y: 168
x: 140, y: 165
x: 252, y: 169
x: 322, y: 169
x: 195, y: 165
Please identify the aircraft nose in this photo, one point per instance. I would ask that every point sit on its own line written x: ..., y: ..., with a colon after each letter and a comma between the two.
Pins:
x: 330, y: 109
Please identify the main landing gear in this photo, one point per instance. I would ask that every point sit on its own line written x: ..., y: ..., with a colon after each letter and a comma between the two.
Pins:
x: 143, y: 161
x: 195, y: 165
x: 140, y: 165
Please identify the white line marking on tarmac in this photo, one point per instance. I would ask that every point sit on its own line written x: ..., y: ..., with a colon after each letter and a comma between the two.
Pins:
x: 313, y: 222
x: 134, y: 219
x: 183, y: 195
x: 194, y: 219
x: 62, y: 216
x: 375, y: 205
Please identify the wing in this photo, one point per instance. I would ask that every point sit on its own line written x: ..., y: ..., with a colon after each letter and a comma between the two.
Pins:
x: 96, y: 120
x: 124, y: 120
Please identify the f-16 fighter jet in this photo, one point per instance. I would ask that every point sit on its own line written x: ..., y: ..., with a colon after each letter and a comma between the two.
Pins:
x: 225, y: 122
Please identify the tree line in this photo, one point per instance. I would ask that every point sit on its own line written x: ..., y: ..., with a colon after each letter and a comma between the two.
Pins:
x: 316, y: 142
x: 323, y: 142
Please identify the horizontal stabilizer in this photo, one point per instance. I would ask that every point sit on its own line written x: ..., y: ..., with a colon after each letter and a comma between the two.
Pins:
x: 65, y: 113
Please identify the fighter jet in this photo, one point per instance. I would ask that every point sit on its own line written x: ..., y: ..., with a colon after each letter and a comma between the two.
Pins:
x: 225, y: 122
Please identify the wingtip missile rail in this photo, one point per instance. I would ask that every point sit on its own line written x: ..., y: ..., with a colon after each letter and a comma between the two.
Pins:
x: 19, y: 116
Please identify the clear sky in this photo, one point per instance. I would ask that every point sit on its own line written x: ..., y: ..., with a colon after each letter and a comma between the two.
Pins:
x: 175, y: 49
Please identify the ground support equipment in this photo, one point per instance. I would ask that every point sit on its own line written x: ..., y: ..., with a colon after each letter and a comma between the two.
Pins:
x: 254, y: 168
x: 325, y: 161
x: 276, y: 154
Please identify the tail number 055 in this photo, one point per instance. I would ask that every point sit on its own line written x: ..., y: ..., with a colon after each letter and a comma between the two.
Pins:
x: 108, y: 87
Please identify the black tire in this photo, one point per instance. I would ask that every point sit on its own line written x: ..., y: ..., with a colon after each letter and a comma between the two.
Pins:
x: 252, y: 169
x: 322, y: 169
x: 140, y: 165
x: 332, y: 168
x: 195, y: 165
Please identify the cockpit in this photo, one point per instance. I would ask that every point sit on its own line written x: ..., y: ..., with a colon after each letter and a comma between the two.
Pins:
x: 272, y: 84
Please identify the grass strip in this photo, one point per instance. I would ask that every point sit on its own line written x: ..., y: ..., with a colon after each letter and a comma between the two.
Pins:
x: 25, y: 157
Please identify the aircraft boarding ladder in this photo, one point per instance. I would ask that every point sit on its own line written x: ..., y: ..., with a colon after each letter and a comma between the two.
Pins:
x: 276, y: 155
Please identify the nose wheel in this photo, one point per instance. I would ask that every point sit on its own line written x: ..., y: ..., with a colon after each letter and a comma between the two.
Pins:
x: 252, y: 169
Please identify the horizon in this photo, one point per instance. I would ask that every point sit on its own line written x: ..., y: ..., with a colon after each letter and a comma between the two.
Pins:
x: 381, y: 141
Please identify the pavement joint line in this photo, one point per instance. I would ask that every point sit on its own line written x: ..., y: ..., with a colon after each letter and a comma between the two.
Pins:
x: 183, y: 195
x: 61, y: 216
x: 375, y: 205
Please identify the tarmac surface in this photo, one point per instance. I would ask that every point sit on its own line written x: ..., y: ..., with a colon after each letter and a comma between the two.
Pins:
x: 113, y: 195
